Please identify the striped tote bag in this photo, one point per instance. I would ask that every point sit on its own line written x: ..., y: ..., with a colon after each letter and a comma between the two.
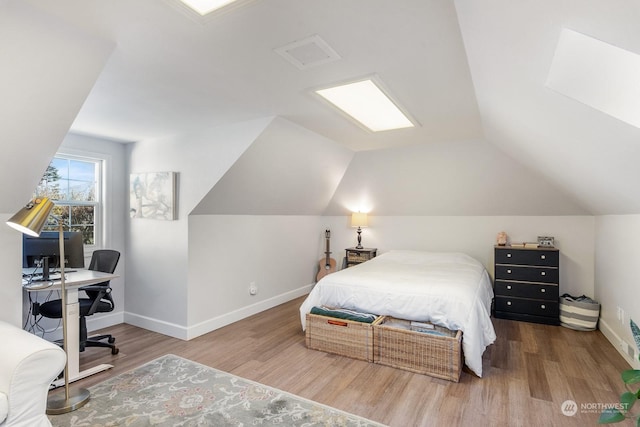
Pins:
x: 580, y: 313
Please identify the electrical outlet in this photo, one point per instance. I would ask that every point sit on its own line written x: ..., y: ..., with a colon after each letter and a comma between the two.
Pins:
x: 631, y: 351
x: 253, y: 288
x: 627, y: 349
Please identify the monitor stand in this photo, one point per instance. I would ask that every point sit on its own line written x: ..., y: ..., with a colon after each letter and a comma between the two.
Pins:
x: 45, y: 268
x: 45, y: 271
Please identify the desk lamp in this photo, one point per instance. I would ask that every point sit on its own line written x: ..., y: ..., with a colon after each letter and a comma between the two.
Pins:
x: 30, y: 220
x: 359, y: 219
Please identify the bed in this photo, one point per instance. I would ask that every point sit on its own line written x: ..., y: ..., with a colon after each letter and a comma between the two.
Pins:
x: 449, y: 289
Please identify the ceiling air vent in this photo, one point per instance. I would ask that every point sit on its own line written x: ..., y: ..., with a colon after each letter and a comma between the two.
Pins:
x: 308, y: 53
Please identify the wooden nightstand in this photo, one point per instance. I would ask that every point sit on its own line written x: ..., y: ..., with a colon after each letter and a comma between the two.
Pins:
x: 526, y: 285
x: 356, y: 256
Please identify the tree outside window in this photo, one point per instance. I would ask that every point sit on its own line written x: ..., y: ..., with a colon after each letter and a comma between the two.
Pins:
x: 73, y: 185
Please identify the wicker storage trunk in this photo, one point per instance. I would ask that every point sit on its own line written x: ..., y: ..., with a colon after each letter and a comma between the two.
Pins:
x: 339, y: 336
x: 438, y: 354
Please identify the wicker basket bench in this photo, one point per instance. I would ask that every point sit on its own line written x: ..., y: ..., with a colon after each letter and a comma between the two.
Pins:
x: 437, y: 353
x: 391, y: 342
x: 340, y: 336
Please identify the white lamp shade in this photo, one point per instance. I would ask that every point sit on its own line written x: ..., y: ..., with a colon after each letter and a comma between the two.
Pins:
x: 32, y: 218
x: 359, y: 219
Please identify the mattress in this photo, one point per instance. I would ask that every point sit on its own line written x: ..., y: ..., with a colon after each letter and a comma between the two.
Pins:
x: 449, y: 289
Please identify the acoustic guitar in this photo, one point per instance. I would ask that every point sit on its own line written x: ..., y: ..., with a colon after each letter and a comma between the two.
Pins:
x: 327, y: 264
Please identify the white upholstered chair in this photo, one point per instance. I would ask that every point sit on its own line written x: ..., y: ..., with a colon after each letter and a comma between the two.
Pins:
x: 28, y: 365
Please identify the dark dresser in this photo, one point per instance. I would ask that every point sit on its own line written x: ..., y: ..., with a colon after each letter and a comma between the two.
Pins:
x: 526, y: 284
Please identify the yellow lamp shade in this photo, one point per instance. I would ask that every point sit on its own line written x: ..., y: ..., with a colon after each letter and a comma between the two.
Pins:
x: 359, y: 219
x: 32, y: 218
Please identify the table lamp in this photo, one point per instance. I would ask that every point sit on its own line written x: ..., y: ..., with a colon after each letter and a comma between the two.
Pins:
x: 30, y: 220
x: 359, y: 219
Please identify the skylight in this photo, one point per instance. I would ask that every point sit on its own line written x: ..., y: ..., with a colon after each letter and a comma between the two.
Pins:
x: 204, y: 7
x: 600, y: 75
x: 365, y: 102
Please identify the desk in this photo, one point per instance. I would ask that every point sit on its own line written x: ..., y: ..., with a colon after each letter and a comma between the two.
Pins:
x: 74, y: 281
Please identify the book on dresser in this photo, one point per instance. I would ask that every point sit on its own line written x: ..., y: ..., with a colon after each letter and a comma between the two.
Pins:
x: 526, y: 284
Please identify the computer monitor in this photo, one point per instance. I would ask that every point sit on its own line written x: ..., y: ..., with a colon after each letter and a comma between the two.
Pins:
x: 44, y: 251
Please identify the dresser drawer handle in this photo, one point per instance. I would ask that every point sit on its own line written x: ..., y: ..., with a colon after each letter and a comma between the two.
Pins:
x: 543, y: 257
x: 508, y: 286
x: 508, y: 271
x: 508, y: 302
x: 543, y: 306
x: 543, y: 290
x: 543, y: 273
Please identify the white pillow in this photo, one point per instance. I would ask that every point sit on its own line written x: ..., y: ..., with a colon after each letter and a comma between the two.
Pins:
x: 4, y: 407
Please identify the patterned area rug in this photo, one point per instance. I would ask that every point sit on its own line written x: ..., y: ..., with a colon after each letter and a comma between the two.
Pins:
x: 172, y: 391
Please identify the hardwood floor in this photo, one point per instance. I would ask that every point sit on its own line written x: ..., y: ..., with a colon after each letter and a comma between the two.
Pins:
x: 529, y: 372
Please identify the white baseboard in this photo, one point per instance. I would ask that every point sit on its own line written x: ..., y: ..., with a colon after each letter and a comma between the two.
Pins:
x: 190, y: 332
x: 156, y: 325
x: 615, y: 339
x: 233, y: 316
x: 104, y: 320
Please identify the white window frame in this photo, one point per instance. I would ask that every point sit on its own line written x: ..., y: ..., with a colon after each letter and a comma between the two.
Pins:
x: 103, y: 162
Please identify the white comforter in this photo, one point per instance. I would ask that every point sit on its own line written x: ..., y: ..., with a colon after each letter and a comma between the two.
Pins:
x: 449, y: 289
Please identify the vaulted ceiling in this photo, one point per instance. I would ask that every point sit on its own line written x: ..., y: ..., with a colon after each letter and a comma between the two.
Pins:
x: 465, y: 70
x: 173, y: 70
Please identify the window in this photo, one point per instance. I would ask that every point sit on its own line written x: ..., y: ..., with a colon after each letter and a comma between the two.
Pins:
x: 597, y: 74
x: 73, y: 183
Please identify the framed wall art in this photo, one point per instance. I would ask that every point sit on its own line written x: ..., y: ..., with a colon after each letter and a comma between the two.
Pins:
x: 152, y: 195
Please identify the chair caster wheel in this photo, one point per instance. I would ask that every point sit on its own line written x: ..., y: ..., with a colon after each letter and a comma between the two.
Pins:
x: 115, y: 350
x: 111, y: 340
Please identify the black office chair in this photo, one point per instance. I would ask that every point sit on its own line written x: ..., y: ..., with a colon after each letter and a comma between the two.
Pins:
x: 99, y: 301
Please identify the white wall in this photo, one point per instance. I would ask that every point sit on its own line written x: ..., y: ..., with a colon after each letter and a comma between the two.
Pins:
x: 617, y: 276
x: 476, y: 236
x: 259, y: 224
x: 11, y: 273
x: 288, y: 170
x: 470, y: 178
x: 157, y: 251
x: 281, y: 254
x: 228, y: 253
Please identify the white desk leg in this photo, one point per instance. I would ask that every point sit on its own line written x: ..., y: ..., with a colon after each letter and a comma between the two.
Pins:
x: 73, y: 333
x: 73, y: 342
x: 83, y: 374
